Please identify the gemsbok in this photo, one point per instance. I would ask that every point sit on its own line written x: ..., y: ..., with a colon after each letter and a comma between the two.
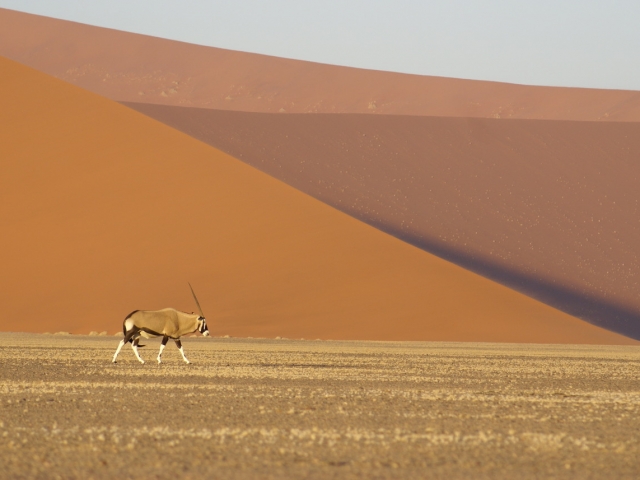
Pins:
x: 166, y: 323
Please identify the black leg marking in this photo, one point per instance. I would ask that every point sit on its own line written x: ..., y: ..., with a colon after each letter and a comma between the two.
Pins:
x: 130, y: 334
x: 165, y: 339
x: 178, y: 343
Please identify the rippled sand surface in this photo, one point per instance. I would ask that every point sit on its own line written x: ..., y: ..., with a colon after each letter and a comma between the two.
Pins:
x: 252, y: 408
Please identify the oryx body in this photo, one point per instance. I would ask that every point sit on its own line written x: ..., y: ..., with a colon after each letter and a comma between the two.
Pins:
x: 166, y: 323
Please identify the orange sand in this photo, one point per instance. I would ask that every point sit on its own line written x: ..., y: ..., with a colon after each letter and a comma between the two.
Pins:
x: 104, y: 210
x: 137, y: 68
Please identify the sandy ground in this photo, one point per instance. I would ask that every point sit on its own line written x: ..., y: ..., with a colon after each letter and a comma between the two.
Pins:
x: 317, y: 409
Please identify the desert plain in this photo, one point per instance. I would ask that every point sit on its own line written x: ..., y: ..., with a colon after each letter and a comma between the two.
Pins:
x: 278, y: 408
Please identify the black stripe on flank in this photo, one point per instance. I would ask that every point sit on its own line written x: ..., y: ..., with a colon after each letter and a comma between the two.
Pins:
x: 151, y: 332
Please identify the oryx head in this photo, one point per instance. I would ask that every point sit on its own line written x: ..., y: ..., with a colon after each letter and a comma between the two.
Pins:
x: 202, y: 322
x: 204, y: 330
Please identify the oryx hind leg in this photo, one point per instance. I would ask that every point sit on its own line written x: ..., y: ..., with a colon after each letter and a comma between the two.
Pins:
x: 120, y: 345
x: 162, y: 345
x: 179, y: 345
x: 127, y: 338
x: 134, y: 346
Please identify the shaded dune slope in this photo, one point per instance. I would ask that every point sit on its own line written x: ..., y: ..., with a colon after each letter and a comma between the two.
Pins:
x: 548, y: 208
x: 137, y: 68
x: 104, y: 210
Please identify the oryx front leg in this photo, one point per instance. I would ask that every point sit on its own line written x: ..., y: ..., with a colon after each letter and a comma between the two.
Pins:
x: 162, y: 345
x: 120, y: 345
x: 134, y: 346
x: 179, y: 345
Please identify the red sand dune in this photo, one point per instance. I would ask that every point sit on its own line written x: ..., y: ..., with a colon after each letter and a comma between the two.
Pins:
x: 137, y: 68
x: 546, y: 207
x: 104, y: 210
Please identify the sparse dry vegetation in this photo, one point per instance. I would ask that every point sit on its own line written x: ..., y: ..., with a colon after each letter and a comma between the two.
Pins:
x: 317, y: 409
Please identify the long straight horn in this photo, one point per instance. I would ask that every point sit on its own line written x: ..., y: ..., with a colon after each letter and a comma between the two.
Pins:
x: 196, y: 299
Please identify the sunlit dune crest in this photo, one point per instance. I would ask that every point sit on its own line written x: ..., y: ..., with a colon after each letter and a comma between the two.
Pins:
x: 136, y: 68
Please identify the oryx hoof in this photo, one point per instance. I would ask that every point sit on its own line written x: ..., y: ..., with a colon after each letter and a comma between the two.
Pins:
x: 187, y: 362
x: 142, y: 362
x: 159, y: 361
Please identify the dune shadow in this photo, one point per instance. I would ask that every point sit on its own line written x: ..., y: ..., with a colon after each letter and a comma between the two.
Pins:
x: 591, y: 308
x: 597, y: 311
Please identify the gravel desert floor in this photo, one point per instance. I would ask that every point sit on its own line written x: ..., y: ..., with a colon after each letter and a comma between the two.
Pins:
x: 258, y: 408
